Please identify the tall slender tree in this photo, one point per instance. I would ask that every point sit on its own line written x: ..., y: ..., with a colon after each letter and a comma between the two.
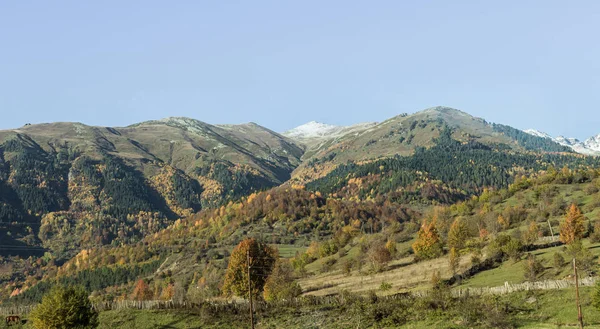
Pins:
x: 573, y: 227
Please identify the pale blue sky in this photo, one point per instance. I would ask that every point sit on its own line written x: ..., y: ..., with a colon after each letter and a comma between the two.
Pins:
x: 283, y: 63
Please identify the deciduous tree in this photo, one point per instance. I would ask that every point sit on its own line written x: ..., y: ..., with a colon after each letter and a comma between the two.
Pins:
x: 64, y: 308
x: 572, y: 228
x: 532, y: 234
x: 428, y: 244
x: 142, y: 291
x: 262, y: 260
x: 458, y: 234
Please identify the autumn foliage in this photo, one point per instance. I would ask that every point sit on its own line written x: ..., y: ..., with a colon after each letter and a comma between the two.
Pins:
x: 262, y: 260
x: 428, y: 244
x: 142, y: 291
x: 458, y: 234
x: 572, y: 228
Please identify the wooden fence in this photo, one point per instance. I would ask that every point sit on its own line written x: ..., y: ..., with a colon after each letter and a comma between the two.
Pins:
x: 508, y: 288
x: 239, y: 306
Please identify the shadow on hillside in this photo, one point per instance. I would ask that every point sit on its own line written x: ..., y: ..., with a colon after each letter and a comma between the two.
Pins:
x: 178, y: 321
x: 399, y: 265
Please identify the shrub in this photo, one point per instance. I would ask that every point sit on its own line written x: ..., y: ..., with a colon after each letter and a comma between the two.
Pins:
x: 281, y: 284
x: 379, y: 256
x: 596, y: 296
x: 558, y: 262
x: 64, y: 307
x: 385, y: 286
x: 532, y: 268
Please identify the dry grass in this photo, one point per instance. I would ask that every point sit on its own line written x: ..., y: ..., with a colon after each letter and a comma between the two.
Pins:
x: 403, y: 274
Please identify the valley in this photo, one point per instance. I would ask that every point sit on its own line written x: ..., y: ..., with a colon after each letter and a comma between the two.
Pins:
x: 412, y: 208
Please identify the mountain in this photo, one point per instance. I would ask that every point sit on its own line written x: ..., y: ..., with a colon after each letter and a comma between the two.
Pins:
x: 401, y: 135
x: 78, y: 186
x: 168, y: 199
x: 313, y: 131
x: 590, y: 146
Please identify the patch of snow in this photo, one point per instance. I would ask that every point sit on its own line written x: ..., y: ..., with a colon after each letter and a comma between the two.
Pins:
x: 537, y: 133
x: 318, y: 130
x: 591, y: 146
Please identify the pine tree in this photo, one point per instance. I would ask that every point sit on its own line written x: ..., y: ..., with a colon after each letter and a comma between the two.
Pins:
x: 572, y: 228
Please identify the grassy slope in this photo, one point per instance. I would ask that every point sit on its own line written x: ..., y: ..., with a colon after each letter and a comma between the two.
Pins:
x: 405, y: 275
x: 550, y: 309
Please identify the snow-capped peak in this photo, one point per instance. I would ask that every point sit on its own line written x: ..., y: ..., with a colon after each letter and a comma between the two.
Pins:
x: 313, y: 129
x: 591, y: 146
x: 318, y: 130
x: 537, y: 133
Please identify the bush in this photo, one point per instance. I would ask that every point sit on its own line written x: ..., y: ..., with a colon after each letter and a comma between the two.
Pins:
x: 532, y: 268
x: 64, y: 307
x: 281, y: 284
x: 559, y: 262
x: 385, y: 286
x: 596, y: 296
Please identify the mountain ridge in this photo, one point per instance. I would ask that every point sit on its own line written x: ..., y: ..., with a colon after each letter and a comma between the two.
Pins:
x: 590, y: 146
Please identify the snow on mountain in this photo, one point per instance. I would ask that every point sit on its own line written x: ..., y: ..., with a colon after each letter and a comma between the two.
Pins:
x: 313, y: 129
x: 593, y: 143
x: 537, y: 133
x: 591, y: 146
x: 318, y: 130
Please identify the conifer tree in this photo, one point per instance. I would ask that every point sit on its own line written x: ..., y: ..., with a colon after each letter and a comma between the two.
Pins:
x: 572, y: 228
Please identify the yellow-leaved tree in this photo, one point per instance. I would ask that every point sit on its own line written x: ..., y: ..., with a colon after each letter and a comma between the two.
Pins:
x: 458, y: 234
x: 262, y: 260
x: 428, y: 244
x: 64, y: 307
x: 572, y: 228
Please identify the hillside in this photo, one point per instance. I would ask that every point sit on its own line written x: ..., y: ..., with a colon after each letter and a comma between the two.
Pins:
x: 66, y: 186
x: 402, y: 134
x: 168, y: 200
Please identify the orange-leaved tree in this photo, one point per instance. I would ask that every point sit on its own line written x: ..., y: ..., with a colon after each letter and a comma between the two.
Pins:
x: 262, y: 260
x: 428, y: 244
x: 142, y: 291
x: 572, y: 228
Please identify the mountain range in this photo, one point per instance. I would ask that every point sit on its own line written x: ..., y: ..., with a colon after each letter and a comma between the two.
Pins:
x: 69, y: 191
x: 590, y: 146
x: 80, y: 186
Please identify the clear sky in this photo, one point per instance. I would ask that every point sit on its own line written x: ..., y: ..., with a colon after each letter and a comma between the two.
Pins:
x: 529, y: 64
